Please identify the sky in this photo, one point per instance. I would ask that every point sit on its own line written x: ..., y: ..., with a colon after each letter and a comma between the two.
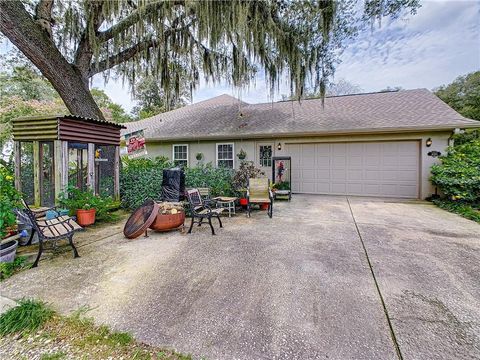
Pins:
x: 426, y: 50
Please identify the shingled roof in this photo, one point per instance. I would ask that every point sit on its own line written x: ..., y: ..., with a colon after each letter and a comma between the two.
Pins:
x: 225, y: 117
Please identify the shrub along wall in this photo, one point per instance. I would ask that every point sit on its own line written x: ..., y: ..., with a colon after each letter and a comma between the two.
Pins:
x: 141, y: 179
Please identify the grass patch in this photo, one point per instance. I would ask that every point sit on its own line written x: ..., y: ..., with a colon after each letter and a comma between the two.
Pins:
x: 466, y: 210
x: 8, y: 269
x: 28, y: 316
x: 76, y: 336
x: 54, y: 356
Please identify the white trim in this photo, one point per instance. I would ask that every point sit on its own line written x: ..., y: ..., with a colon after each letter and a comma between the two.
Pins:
x: 233, y: 153
x: 188, y: 153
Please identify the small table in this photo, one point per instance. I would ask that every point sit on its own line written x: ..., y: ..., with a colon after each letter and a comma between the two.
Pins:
x: 227, y: 203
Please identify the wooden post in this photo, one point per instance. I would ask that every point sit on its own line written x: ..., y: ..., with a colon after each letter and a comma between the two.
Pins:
x: 57, y: 163
x: 64, y: 166
x: 36, y: 173
x: 91, y: 166
x: 116, y: 174
x: 17, y: 154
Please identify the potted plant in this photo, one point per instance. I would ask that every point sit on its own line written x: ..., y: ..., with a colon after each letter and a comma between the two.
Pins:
x: 86, y: 215
x: 247, y: 170
x: 199, y: 156
x: 81, y: 203
x: 242, y: 154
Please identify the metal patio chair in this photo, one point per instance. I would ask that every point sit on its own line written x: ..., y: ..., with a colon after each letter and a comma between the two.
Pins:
x: 200, y: 209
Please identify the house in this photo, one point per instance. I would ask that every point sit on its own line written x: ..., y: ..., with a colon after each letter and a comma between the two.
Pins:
x: 375, y: 144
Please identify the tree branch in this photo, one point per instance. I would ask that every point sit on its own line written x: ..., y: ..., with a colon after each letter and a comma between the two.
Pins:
x: 130, y: 52
x: 43, y: 15
x: 84, y: 53
x: 121, y: 57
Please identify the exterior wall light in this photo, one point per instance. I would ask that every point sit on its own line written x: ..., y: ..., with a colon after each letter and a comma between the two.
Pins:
x: 279, y: 146
x: 429, y: 142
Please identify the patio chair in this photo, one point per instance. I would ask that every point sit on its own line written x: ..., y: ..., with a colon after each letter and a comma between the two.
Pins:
x: 258, y: 192
x: 62, y: 227
x: 200, y: 209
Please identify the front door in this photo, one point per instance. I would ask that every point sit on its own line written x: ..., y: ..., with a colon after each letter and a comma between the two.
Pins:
x: 264, y: 157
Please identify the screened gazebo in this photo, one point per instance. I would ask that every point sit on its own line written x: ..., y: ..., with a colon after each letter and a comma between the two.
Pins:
x: 52, y: 152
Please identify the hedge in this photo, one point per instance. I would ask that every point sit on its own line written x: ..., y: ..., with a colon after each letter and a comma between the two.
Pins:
x: 458, y: 174
x: 141, y: 179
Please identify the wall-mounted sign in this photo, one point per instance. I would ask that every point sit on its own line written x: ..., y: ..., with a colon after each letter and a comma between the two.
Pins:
x: 136, y: 146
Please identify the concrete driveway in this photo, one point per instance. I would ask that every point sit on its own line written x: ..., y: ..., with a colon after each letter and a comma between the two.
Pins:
x: 326, y: 278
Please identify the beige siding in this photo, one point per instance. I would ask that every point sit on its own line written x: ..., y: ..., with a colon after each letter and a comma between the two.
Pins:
x: 208, y: 148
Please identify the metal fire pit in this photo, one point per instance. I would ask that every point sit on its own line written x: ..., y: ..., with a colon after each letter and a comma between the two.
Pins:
x: 141, y: 219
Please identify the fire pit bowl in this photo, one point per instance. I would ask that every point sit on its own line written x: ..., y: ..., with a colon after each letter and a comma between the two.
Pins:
x: 166, y: 222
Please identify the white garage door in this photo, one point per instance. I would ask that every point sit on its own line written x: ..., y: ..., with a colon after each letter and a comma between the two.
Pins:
x: 367, y: 169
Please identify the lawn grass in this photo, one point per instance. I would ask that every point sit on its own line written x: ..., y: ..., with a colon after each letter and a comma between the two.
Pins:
x: 52, y: 337
x: 466, y: 210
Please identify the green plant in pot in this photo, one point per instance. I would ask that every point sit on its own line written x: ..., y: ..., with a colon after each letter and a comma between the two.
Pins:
x: 82, y: 203
x: 242, y: 155
x: 199, y: 156
x: 246, y: 170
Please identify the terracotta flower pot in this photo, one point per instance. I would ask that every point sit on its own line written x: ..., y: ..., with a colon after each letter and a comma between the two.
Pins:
x: 264, y: 206
x: 86, y: 217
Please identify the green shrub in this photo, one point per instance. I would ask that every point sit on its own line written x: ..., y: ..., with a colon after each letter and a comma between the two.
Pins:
x: 9, y: 199
x: 461, y: 208
x: 29, y: 315
x: 141, y: 179
x: 458, y: 174
x: 219, y: 180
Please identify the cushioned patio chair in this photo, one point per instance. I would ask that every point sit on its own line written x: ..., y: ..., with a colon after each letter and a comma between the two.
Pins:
x: 200, y: 209
x: 258, y: 192
x: 62, y: 227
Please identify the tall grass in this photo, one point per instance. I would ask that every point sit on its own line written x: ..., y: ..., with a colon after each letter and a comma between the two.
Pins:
x: 28, y: 316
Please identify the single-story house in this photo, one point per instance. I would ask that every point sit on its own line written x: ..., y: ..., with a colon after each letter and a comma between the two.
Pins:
x: 375, y: 144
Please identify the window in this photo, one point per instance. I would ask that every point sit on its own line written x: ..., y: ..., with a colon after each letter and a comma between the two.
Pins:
x: 180, y: 155
x: 266, y: 155
x: 225, y: 155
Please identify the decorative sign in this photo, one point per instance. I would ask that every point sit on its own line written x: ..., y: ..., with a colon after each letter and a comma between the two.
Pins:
x: 281, y: 171
x: 136, y: 146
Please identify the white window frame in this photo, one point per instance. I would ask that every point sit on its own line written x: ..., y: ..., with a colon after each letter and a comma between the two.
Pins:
x: 233, y: 153
x: 173, y: 153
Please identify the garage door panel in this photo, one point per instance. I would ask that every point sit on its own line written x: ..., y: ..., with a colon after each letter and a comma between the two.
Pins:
x: 323, y: 174
x: 338, y: 188
x: 355, y: 175
x: 309, y: 187
x: 375, y: 169
x: 354, y: 188
x: 308, y: 175
x: 323, y: 187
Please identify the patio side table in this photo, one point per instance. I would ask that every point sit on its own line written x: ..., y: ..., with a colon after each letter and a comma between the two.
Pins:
x: 227, y: 203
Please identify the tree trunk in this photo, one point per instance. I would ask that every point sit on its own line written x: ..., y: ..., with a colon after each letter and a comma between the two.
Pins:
x: 37, y: 46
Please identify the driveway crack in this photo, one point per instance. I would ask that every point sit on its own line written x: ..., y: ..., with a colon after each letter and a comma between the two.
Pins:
x: 390, y: 325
